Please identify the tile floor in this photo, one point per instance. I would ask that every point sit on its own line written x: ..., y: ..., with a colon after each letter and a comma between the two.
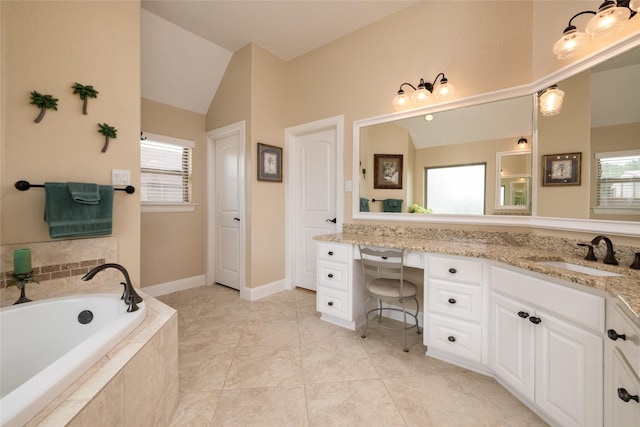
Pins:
x: 273, y: 362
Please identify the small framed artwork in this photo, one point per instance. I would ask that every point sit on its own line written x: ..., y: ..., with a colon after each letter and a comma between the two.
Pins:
x: 387, y: 171
x: 269, y: 163
x: 561, y: 169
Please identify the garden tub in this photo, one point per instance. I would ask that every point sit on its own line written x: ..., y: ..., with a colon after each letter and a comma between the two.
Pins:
x: 48, y: 344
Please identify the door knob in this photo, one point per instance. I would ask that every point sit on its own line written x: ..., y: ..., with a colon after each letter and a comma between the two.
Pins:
x: 331, y: 220
x: 625, y: 396
x: 236, y: 219
x: 535, y: 320
x: 613, y: 335
x: 523, y: 314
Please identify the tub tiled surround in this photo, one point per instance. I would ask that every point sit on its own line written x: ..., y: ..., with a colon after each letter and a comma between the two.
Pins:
x: 59, y: 265
x: 135, y: 384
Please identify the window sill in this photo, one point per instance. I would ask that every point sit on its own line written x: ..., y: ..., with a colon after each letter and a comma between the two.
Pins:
x: 616, y: 211
x: 167, y: 207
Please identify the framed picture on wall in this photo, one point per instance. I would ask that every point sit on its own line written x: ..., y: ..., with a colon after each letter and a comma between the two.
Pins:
x: 387, y: 171
x: 269, y: 163
x: 561, y: 169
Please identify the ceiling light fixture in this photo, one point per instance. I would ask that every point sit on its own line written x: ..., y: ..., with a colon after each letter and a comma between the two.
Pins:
x: 522, y: 142
x: 609, y: 18
x: 550, y: 101
x: 422, y: 94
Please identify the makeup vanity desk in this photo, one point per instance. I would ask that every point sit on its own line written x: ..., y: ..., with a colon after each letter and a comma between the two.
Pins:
x: 493, y: 306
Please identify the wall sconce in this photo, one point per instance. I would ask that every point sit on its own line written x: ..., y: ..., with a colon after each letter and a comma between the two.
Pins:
x: 422, y: 94
x: 609, y: 18
x: 522, y: 142
x: 550, y: 101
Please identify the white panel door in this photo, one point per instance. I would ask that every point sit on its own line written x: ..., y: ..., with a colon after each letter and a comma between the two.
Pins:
x: 227, y: 206
x: 569, y: 384
x: 315, y: 199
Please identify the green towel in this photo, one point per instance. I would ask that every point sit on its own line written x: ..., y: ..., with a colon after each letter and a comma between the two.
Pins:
x: 364, y: 204
x: 66, y: 218
x: 392, y: 205
x: 84, y: 192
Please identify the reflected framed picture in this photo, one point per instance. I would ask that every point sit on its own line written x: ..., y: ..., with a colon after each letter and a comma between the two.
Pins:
x: 387, y: 171
x: 561, y: 169
x: 269, y: 163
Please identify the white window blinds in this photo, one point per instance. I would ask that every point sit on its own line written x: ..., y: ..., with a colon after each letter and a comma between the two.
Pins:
x: 165, y: 170
x: 618, y: 184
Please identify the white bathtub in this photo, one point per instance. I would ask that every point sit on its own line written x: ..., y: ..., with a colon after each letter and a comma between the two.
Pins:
x: 44, y: 348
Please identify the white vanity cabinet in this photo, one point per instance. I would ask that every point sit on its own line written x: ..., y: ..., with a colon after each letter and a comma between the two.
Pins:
x: 546, y: 344
x: 622, y: 369
x: 454, y: 305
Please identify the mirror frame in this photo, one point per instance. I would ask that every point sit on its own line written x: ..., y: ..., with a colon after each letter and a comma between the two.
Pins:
x: 622, y: 228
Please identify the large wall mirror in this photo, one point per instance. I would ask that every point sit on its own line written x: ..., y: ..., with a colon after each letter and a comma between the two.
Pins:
x: 439, y: 147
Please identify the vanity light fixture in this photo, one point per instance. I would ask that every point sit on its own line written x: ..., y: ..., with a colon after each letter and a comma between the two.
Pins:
x: 550, y: 101
x: 609, y: 18
x: 522, y: 142
x: 422, y: 94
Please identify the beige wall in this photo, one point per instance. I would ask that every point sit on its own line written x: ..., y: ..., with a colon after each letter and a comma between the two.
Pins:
x: 48, y: 46
x: 172, y: 244
x: 567, y: 132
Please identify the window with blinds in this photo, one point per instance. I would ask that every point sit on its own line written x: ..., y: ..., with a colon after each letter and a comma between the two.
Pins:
x: 618, y: 184
x: 165, y: 170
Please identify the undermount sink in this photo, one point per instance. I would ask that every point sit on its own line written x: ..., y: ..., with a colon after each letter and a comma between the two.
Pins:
x: 579, y: 268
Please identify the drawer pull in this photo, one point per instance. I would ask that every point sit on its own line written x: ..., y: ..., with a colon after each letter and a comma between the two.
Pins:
x: 451, y: 338
x: 330, y: 253
x: 624, y: 395
x: 453, y: 270
x: 613, y: 335
x: 452, y: 300
x: 523, y: 314
x: 330, y: 275
x: 330, y: 303
x: 535, y: 320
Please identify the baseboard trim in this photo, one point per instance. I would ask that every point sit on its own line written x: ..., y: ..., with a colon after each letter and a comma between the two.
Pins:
x: 174, y: 286
x: 254, y: 294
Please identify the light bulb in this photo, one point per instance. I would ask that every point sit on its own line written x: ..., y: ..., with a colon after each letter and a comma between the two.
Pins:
x: 420, y: 97
x: 608, y: 20
x: 401, y: 100
x: 444, y: 89
x: 551, y: 101
x: 571, y: 42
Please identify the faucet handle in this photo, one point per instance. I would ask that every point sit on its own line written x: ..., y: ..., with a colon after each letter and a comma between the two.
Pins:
x: 590, y: 255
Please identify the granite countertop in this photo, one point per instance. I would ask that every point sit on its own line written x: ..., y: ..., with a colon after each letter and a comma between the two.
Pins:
x: 625, y: 287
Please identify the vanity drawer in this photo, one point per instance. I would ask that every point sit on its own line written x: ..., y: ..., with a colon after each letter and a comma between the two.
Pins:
x: 455, y: 299
x: 333, y: 275
x: 411, y: 259
x: 334, y: 303
x: 460, y: 270
x: 629, y: 346
x: 454, y: 336
x: 335, y: 252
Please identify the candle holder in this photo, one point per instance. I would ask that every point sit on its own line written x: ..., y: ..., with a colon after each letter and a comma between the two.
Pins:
x: 20, y: 280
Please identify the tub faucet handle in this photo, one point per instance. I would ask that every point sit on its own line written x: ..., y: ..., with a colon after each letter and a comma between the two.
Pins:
x: 590, y: 255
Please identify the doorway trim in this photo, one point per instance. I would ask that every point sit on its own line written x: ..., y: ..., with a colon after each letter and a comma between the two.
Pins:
x: 210, y: 187
x: 291, y: 133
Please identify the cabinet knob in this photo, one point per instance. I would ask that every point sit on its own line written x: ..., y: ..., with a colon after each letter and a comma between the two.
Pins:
x: 613, y: 335
x: 624, y: 395
x: 453, y: 270
x: 452, y: 300
x: 535, y: 320
x: 330, y: 253
x: 330, y: 275
x: 451, y: 338
x: 523, y: 314
x: 330, y: 303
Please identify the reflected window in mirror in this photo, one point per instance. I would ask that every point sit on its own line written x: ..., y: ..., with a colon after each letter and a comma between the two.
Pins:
x: 513, y: 182
x: 464, y: 192
x: 618, y: 182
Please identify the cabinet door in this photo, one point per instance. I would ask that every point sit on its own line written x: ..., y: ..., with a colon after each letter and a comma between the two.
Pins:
x: 512, y: 343
x: 568, y: 380
x: 623, y: 392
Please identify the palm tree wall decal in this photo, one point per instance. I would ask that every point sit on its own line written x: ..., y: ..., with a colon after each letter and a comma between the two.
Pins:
x: 85, y: 92
x: 44, y: 102
x: 108, y: 132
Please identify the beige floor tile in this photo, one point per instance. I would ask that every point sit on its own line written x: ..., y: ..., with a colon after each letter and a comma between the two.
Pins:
x: 354, y: 403
x: 265, y: 366
x: 276, y: 333
x: 208, y: 374
x: 270, y: 406
x: 195, y: 409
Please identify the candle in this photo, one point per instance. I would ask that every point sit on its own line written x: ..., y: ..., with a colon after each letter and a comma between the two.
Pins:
x: 22, y: 261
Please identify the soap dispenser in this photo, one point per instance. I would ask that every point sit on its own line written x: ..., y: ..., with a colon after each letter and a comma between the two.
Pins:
x: 636, y: 262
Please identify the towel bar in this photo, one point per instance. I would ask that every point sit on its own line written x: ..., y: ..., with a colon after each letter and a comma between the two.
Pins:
x: 25, y: 185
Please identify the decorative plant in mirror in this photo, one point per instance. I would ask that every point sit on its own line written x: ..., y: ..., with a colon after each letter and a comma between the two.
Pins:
x: 422, y: 94
x: 85, y: 92
x: 609, y: 18
x: 44, y: 102
x: 108, y: 132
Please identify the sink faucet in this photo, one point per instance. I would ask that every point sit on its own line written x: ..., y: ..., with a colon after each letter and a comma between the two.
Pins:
x: 130, y: 297
x: 609, y: 257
